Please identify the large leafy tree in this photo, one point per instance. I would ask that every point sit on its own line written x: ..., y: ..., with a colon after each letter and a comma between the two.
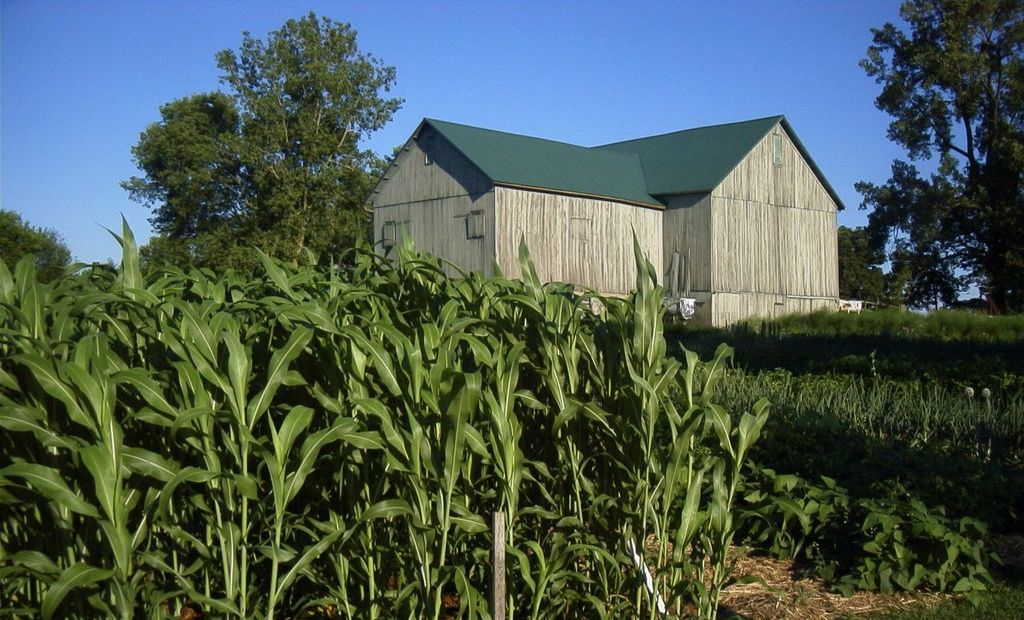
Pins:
x: 18, y: 238
x: 276, y: 162
x: 860, y: 266
x: 954, y: 85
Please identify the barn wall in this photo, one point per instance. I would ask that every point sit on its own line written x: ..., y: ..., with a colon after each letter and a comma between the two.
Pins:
x: 439, y: 226
x: 687, y: 231
x: 411, y: 179
x: 728, y: 308
x: 773, y: 231
x: 584, y: 241
x: 434, y: 201
x: 810, y: 252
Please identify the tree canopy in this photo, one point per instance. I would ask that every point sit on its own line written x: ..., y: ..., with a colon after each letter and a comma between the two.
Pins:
x: 18, y: 238
x: 954, y: 85
x: 860, y: 266
x: 275, y: 163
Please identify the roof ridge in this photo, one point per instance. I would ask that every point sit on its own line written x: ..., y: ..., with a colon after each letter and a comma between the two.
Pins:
x: 506, y: 133
x: 509, y: 158
x: 774, y: 117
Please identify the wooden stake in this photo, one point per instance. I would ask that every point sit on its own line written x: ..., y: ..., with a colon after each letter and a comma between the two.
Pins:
x: 498, y: 564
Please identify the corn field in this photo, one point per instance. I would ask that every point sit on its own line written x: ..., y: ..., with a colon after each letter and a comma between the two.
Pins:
x: 332, y: 443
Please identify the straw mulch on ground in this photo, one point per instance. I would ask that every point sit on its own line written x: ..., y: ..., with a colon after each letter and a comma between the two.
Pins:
x: 785, y: 594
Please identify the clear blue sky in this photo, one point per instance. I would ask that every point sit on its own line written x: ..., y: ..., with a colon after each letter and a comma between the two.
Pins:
x: 80, y: 80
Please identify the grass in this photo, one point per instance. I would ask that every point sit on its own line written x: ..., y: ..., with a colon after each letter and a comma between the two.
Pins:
x: 949, y: 325
x: 957, y: 349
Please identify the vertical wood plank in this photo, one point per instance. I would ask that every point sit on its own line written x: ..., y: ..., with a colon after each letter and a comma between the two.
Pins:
x: 773, y: 237
x: 498, y: 567
x: 603, y: 261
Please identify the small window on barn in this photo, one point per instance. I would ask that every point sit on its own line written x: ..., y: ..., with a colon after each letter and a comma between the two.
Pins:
x: 393, y: 231
x: 389, y: 235
x: 427, y: 144
x: 475, y: 225
x: 777, y: 145
x: 579, y: 229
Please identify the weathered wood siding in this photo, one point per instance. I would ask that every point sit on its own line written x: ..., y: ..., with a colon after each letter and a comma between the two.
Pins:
x: 434, y: 201
x: 585, y: 241
x: 687, y: 232
x: 728, y: 308
x: 773, y: 237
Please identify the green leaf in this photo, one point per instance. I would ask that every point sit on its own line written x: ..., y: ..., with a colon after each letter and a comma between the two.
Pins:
x: 309, y: 554
x: 295, y: 423
x: 277, y: 370
x: 44, y: 372
x: 148, y: 463
x: 6, y: 284
x: 79, y: 575
x: 386, y: 509
x: 277, y: 274
x: 239, y: 368
x: 149, y: 389
x: 33, y: 560
x: 380, y: 359
x: 97, y: 459
x: 49, y: 483
x: 17, y: 418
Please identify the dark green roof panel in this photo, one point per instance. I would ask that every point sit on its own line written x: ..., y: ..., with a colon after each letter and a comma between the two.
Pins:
x: 694, y: 160
x: 533, y: 162
x: 638, y: 171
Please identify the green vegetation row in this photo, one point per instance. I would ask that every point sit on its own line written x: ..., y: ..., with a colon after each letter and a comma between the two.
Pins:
x: 878, y: 484
x: 939, y: 324
x: 982, y: 422
x: 893, y: 440
x: 989, y: 354
x: 334, y: 442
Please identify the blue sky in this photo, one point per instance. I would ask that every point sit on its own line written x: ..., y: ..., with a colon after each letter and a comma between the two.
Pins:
x: 80, y: 80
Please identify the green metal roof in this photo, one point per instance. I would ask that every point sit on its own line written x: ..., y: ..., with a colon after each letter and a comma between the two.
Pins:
x: 637, y: 171
x: 697, y: 160
x: 694, y: 160
x: 513, y: 159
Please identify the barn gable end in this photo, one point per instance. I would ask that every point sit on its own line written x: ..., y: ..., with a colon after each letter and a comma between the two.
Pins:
x: 773, y: 234
x: 440, y: 199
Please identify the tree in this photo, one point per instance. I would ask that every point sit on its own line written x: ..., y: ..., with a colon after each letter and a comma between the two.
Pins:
x: 954, y: 85
x: 194, y: 180
x: 860, y: 271
x: 18, y: 238
x: 274, y: 164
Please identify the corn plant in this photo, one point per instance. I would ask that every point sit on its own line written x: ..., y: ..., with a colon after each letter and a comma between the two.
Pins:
x: 333, y: 442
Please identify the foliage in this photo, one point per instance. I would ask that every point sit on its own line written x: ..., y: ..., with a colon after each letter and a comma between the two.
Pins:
x: 860, y: 271
x: 313, y: 440
x: 887, y: 439
x: 865, y: 543
x: 18, y: 238
x: 953, y: 349
x: 1002, y: 602
x: 946, y: 325
x: 275, y: 163
x: 954, y: 85
x: 914, y: 412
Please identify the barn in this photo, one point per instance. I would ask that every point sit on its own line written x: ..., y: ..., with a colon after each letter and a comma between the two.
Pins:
x: 737, y: 216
